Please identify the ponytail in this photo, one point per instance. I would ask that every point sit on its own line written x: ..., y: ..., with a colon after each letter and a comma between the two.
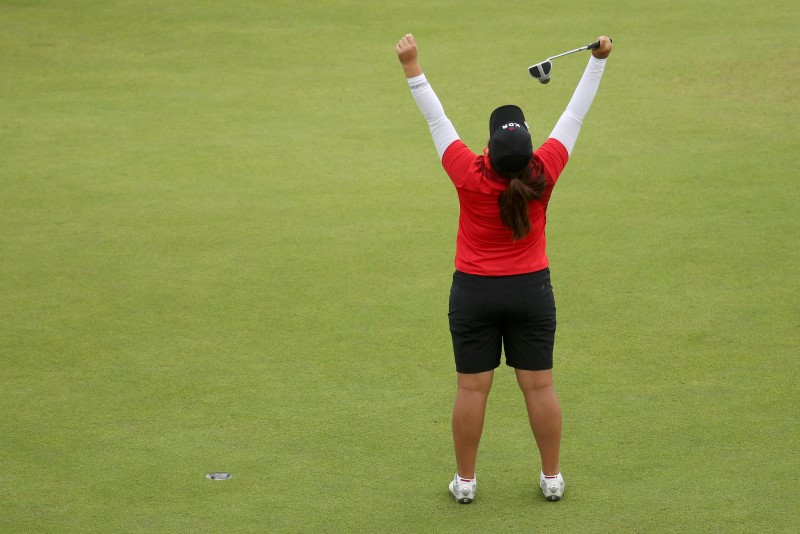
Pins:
x: 523, y: 187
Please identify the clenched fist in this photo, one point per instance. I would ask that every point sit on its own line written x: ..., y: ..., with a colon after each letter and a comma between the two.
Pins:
x: 406, y: 49
x: 604, y: 49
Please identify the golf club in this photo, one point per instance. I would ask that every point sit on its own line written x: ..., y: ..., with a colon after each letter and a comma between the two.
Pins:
x: 541, y: 71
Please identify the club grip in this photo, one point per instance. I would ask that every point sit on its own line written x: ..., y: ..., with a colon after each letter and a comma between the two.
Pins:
x: 596, y: 44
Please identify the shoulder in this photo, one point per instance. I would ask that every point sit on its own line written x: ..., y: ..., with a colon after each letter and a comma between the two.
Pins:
x: 554, y: 156
x: 552, y: 148
x: 461, y: 163
x: 456, y: 152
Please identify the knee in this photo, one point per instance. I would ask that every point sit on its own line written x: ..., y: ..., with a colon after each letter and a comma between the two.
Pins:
x: 480, y: 383
x: 534, y: 381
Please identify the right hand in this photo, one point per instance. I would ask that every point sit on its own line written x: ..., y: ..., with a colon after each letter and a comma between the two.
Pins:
x: 605, y: 48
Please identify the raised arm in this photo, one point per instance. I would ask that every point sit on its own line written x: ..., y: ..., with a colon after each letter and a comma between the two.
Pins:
x: 441, y: 128
x: 569, y: 125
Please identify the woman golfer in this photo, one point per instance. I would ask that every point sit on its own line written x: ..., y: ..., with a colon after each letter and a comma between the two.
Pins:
x: 501, y: 297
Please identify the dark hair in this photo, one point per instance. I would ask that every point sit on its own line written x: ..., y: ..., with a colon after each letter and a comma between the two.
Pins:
x: 524, y: 186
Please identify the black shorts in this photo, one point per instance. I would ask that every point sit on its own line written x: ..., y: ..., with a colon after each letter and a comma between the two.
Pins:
x: 491, y: 313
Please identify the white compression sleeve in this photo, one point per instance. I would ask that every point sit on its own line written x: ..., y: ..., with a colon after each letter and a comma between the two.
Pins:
x: 442, y: 130
x: 569, y: 125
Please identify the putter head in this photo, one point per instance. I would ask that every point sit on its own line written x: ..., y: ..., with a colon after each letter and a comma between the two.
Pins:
x: 541, y: 71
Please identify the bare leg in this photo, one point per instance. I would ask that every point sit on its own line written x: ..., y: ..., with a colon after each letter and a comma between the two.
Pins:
x: 544, y: 414
x: 468, y: 415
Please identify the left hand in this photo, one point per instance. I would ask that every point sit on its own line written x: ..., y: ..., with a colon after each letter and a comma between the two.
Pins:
x: 406, y: 49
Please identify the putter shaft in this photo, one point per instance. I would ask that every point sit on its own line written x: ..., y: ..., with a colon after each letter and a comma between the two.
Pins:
x: 592, y: 46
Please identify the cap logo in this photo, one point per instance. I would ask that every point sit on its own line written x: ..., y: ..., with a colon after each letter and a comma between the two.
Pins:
x: 511, y: 125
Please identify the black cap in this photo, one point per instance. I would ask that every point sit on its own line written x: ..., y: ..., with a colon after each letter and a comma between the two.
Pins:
x: 510, y: 146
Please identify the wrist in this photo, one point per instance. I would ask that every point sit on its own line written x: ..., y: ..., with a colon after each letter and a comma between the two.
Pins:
x: 412, y: 70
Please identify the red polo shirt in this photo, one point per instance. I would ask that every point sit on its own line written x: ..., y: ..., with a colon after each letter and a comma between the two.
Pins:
x: 484, y: 246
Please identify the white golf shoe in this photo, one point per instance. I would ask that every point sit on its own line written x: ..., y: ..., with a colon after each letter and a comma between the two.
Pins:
x: 464, y: 492
x: 552, y: 487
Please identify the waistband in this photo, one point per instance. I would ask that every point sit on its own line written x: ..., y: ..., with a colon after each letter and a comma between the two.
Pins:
x: 535, y: 274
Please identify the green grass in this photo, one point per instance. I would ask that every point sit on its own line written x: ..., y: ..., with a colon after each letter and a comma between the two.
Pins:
x: 226, y: 243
